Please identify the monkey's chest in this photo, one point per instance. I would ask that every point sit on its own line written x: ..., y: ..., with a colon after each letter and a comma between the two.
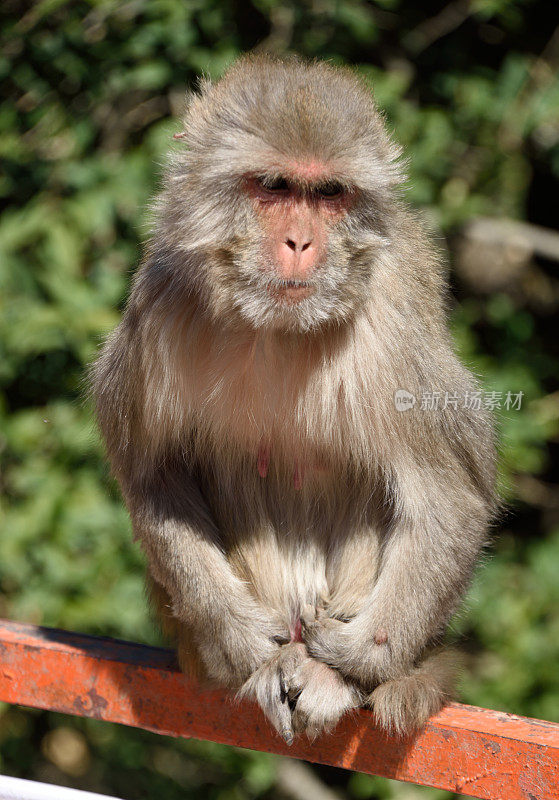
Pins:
x: 279, y: 413
x: 266, y: 444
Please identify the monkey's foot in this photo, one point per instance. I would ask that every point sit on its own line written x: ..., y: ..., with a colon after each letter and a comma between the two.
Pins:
x: 404, y: 704
x: 405, y: 696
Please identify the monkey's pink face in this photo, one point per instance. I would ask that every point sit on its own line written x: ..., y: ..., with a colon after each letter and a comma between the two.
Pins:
x: 296, y: 224
x: 295, y: 273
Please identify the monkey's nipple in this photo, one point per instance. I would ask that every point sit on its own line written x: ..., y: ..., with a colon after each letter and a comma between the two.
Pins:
x: 263, y: 460
x: 380, y: 637
x: 297, y: 476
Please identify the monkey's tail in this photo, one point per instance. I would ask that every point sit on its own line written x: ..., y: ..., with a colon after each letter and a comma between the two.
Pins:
x: 404, y: 705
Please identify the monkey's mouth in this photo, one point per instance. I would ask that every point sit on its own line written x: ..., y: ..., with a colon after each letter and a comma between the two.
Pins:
x: 290, y: 291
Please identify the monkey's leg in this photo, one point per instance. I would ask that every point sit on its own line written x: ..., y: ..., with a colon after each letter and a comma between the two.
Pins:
x: 404, y: 704
x: 426, y: 562
x: 299, y: 694
x: 231, y: 633
x: 177, y: 632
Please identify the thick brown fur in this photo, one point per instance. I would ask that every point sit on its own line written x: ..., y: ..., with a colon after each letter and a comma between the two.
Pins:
x: 368, y: 521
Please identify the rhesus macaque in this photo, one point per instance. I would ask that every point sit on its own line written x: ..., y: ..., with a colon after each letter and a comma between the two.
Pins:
x: 307, y: 540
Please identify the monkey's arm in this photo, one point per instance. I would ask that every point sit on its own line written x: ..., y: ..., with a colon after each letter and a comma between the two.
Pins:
x: 441, y: 512
x: 235, y: 638
x: 232, y: 633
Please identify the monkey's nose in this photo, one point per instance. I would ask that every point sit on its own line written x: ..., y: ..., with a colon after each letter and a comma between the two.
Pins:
x: 297, y: 246
x: 296, y: 256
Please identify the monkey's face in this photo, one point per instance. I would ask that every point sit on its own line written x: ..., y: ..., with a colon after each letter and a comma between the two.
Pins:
x: 284, y: 192
x: 297, y: 266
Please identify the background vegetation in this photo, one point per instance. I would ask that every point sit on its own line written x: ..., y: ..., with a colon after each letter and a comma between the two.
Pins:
x: 471, y: 90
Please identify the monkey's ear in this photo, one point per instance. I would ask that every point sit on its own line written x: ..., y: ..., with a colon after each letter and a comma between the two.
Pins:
x: 194, y: 100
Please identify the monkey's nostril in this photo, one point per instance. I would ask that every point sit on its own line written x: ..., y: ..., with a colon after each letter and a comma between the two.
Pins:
x: 293, y: 245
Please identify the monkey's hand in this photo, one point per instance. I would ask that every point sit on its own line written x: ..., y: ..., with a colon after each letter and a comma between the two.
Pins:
x: 362, y: 652
x: 234, y: 646
x: 270, y: 687
x: 299, y: 694
x: 322, y: 697
x: 403, y: 696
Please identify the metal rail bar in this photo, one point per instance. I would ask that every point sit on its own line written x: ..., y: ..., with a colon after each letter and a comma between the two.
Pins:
x: 463, y: 749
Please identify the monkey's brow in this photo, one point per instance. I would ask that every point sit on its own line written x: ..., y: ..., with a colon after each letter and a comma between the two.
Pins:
x: 312, y: 185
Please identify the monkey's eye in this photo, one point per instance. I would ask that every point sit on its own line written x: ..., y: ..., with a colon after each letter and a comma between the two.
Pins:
x: 273, y: 184
x: 330, y: 190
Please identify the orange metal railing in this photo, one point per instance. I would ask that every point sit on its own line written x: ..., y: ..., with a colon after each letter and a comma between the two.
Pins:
x: 463, y: 749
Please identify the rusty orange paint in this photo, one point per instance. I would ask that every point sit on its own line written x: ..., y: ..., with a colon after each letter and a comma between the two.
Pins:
x: 463, y: 749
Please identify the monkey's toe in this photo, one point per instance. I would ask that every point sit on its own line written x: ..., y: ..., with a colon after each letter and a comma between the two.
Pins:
x: 265, y: 687
x: 401, y: 706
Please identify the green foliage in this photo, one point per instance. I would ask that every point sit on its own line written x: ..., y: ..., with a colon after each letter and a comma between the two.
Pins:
x: 91, y: 89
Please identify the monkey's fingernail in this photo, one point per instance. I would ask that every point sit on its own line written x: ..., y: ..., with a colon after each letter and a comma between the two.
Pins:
x: 287, y: 737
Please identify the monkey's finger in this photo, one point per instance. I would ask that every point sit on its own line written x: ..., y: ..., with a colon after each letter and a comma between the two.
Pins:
x: 321, y: 638
x: 280, y: 717
x: 276, y: 628
x: 278, y: 712
x: 294, y: 657
x: 323, y: 623
x: 291, y: 692
x: 284, y: 687
x: 307, y: 722
x: 293, y: 684
x: 308, y: 614
x: 264, y: 687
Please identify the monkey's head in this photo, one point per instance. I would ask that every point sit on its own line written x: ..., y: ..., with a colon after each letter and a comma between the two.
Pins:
x: 281, y: 199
